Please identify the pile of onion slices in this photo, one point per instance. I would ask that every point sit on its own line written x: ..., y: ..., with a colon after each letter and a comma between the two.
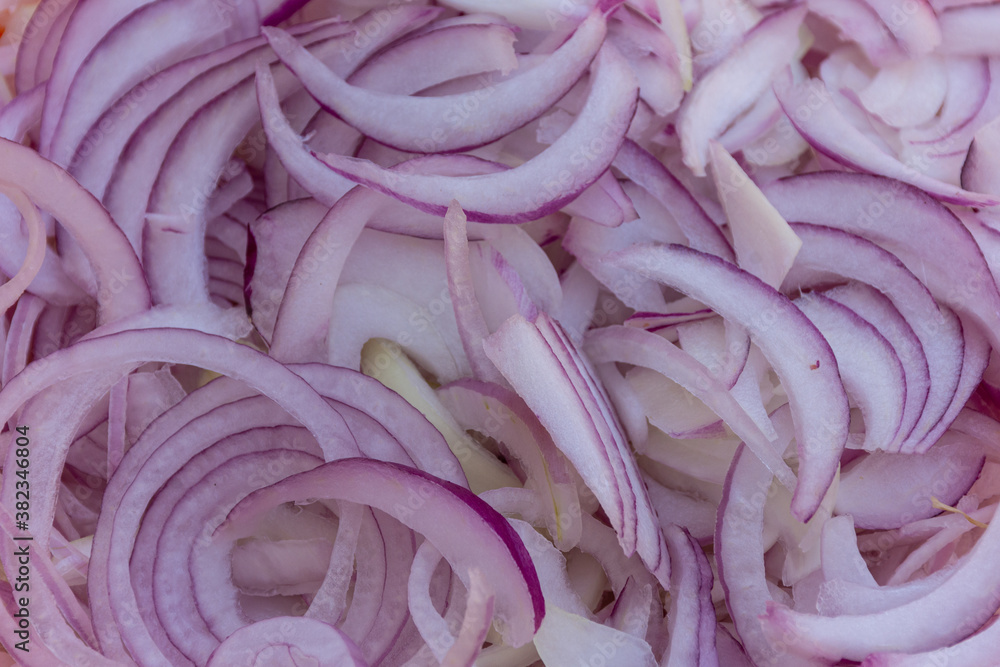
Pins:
x: 534, y: 332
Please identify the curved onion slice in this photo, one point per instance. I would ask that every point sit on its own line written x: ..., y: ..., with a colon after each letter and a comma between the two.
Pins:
x: 810, y: 108
x: 870, y: 368
x: 121, y: 288
x: 469, y: 317
x: 444, y: 124
x: 521, y: 470
x: 732, y: 86
x: 739, y: 538
x: 592, y: 440
x: 389, y: 487
x: 885, y: 490
x: 288, y: 641
x: 797, y: 351
x: 691, y: 619
x: 475, y: 624
x: 538, y: 187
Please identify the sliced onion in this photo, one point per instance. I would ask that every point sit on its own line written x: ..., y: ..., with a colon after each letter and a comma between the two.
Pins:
x: 821, y: 417
x: 444, y: 123
x: 519, y: 605
x: 443, y: 440
x: 593, y: 441
x: 608, y: 113
x: 731, y: 87
x: 287, y: 641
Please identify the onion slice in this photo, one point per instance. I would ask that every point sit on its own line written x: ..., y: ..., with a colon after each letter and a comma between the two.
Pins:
x: 733, y: 85
x: 554, y: 380
x: 765, y: 245
x: 870, y: 368
x: 121, y: 287
x: 486, y: 540
x: 797, y: 351
x: 444, y: 124
x: 811, y: 109
x: 541, y: 185
x: 288, y: 641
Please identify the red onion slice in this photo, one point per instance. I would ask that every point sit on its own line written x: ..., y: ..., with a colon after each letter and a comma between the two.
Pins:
x: 765, y: 245
x: 444, y: 125
x: 593, y: 440
x: 475, y: 624
x: 305, y: 339
x: 288, y: 642
x: 734, y: 84
x: 468, y: 314
x: 870, y: 368
x: 819, y: 405
x: 519, y: 606
x: 427, y: 59
x: 937, y: 328
x: 739, y: 557
x: 960, y: 105
x: 690, y: 603
x: 529, y: 190
x: 885, y: 490
x: 810, y: 108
